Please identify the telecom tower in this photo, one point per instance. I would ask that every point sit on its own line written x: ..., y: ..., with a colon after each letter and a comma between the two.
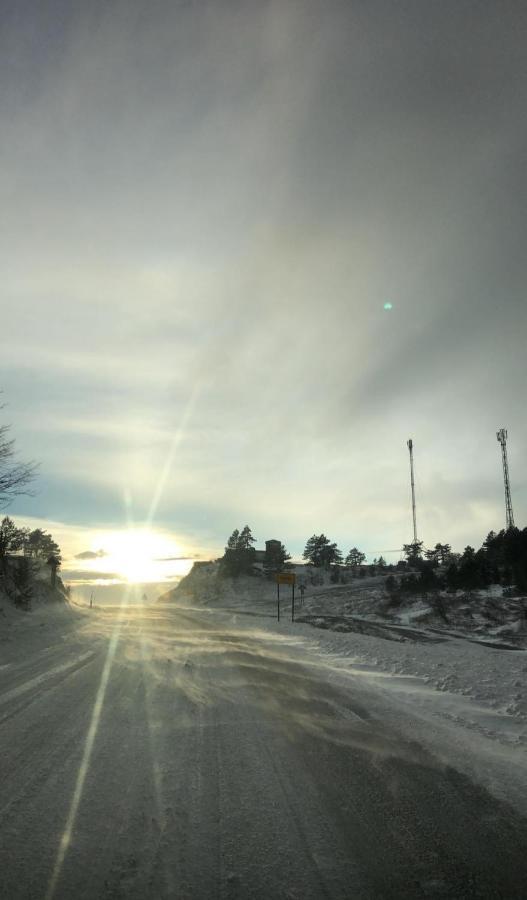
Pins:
x: 509, y: 517
x: 411, y: 449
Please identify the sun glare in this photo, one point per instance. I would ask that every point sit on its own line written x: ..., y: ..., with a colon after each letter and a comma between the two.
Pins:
x: 139, y: 555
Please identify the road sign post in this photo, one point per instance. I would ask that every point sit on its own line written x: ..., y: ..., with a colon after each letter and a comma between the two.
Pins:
x: 286, y: 578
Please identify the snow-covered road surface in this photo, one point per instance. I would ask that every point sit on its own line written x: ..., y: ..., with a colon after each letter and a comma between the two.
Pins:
x: 165, y: 753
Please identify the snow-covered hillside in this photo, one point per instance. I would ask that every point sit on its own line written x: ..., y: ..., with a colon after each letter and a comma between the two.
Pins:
x: 46, y: 603
x: 470, y: 669
x: 489, y: 615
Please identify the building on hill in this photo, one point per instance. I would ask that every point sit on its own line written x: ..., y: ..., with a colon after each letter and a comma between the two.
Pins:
x: 259, y: 555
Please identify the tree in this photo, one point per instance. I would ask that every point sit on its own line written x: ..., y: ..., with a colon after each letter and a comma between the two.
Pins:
x: 432, y: 556
x: 473, y: 571
x: 333, y: 556
x: 413, y: 552
x: 355, y: 557
x: 321, y: 552
x: 428, y: 580
x: 232, y: 542
x: 381, y: 562
x: 246, y: 540
x: 14, y: 476
x: 11, y: 539
x: 22, y: 577
x: 314, y: 549
x: 452, y: 577
x: 40, y: 545
x: 440, y: 554
x: 239, y: 553
x: 515, y: 555
x: 443, y: 552
x: 275, y: 559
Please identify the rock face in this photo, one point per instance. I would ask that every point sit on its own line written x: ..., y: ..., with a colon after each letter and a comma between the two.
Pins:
x: 199, y: 586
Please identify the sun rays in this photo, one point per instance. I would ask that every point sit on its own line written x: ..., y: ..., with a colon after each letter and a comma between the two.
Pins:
x: 87, y: 753
x: 137, y: 555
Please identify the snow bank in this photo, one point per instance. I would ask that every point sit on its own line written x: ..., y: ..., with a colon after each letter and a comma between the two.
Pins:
x: 409, y: 649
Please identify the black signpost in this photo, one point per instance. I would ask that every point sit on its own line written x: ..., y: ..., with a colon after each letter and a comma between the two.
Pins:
x: 286, y: 578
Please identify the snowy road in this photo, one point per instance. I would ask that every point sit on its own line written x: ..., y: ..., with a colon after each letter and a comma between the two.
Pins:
x: 167, y: 753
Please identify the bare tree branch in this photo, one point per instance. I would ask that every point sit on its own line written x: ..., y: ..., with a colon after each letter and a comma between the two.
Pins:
x: 14, y: 476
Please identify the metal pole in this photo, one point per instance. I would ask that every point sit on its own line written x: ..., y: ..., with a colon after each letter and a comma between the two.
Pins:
x: 293, y: 605
x: 278, y: 598
x: 509, y: 516
x: 411, y: 449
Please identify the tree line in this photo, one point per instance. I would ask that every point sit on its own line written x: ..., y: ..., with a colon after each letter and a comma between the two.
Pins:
x: 22, y: 553
x: 502, y: 559
x: 22, y: 550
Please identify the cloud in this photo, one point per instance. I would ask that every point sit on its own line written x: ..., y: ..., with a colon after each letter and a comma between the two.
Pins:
x: 89, y: 575
x: 175, y: 558
x: 91, y: 554
x: 218, y: 203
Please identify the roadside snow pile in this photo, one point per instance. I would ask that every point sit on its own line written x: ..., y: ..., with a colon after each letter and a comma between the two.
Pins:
x: 483, y: 615
x: 480, y: 687
x: 23, y: 633
x: 47, y: 606
x: 494, y: 676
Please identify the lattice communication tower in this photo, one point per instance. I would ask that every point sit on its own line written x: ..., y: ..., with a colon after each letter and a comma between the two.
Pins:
x: 509, y: 517
x: 410, y: 446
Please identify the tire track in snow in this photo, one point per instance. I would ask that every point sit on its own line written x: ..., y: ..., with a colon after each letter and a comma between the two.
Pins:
x: 41, y: 680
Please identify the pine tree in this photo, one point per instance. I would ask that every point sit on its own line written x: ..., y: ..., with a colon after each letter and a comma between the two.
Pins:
x: 246, y: 539
x: 413, y: 552
x: 313, y: 551
x: 355, y: 557
x: 11, y: 540
x: 239, y: 553
x: 232, y: 542
x: 443, y: 552
x: 40, y: 545
x: 275, y: 560
x: 11, y: 537
x: 321, y: 552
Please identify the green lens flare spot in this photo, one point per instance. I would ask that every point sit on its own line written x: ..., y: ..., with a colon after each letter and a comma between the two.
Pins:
x: 388, y: 306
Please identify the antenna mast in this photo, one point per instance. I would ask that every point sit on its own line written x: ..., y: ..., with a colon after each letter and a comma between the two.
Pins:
x: 411, y: 449
x: 509, y: 517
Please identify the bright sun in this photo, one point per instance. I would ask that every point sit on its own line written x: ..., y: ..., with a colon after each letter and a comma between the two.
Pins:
x: 139, y: 555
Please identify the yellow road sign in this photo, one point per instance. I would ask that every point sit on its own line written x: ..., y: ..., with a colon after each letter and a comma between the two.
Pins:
x: 288, y: 578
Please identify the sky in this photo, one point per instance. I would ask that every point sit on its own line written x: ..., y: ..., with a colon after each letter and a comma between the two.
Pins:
x: 205, y: 209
